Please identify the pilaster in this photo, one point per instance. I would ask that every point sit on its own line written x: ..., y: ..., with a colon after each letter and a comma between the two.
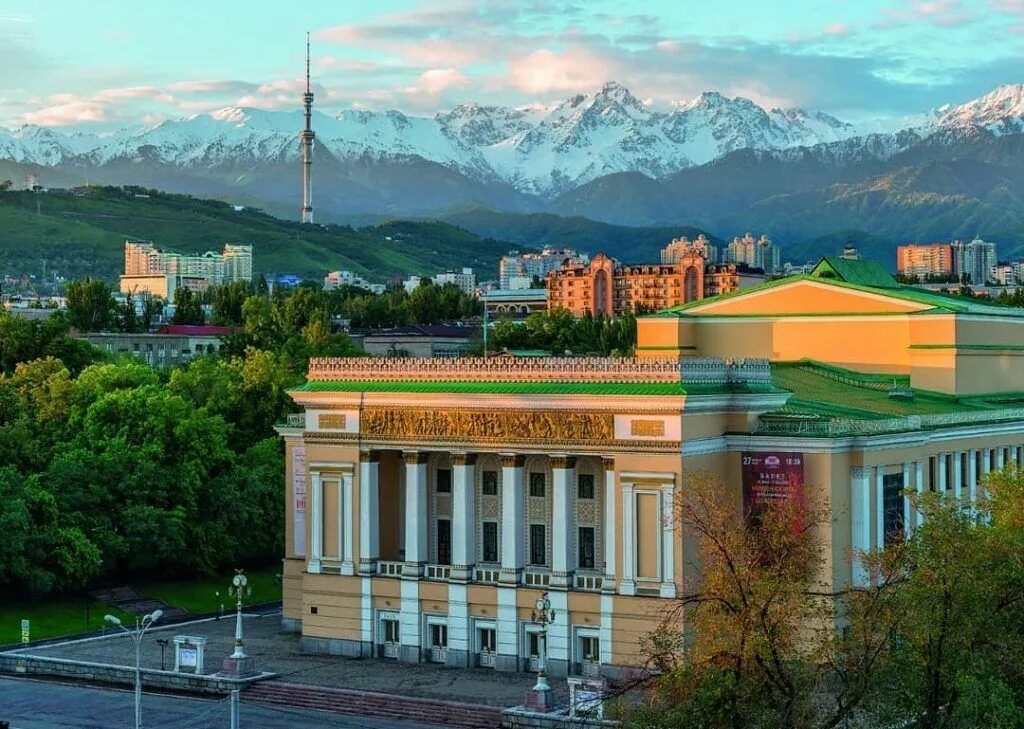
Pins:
x: 513, y: 513
x: 463, y: 516
x: 369, y: 512
x: 563, y: 520
x: 416, y: 545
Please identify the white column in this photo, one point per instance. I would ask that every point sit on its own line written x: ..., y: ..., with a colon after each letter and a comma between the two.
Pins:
x: 607, y: 602
x: 346, y: 502
x: 560, y: 630
x: 879, y: 508
x: 563, y: 520
x: 369, y: 512
x: 919, y: 484
x: 416, y: 546
x: 513, y: 514
x: 941, y: 482
x: 409, y: 620
x: 316, y: 527
x: 668, y: 540
x: 627, y: 586
x: 366, y: 615
x: 972, y: 477
x: 460, y: 639
x: 507, y: 628
x: 1000, y: 458
x: 908, y: 526
x: 463, y: 516
x: 608, y: 530
x: 958, y: 474
x: 860, y: 521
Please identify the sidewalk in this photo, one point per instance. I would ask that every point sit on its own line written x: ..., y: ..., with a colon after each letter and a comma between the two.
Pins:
x: 279, y: 652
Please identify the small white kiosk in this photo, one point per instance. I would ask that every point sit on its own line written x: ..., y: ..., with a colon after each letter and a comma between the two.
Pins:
x: 189, y: 651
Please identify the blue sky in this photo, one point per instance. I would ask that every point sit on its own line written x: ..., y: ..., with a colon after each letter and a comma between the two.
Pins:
x: 110, y: 63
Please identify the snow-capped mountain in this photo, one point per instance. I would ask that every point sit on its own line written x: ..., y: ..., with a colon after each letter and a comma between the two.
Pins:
x: 539, y: 151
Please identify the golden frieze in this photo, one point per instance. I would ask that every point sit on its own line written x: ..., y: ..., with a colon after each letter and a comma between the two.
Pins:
x: 485, y: 425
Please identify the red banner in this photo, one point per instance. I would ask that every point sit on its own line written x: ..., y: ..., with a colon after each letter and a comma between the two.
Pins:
x: 771, y: 477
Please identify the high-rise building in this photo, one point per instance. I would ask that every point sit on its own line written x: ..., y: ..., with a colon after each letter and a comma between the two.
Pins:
x: 148, y: 269
x: 518, y: 270
x: 974, y: 261
x: 922, y: 261
x: 754, y: 252
x: 681, y: 247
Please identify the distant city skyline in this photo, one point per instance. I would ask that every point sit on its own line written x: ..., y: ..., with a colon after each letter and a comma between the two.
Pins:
x: 119, y: 63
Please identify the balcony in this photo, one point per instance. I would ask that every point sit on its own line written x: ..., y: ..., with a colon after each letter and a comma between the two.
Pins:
x: 441, y: 572
x: 487, y: 575
x: 389, y: 569
x: 590, y: 581
x: 536, y: 577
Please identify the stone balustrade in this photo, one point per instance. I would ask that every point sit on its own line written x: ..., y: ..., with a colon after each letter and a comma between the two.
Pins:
x: 695, y: 370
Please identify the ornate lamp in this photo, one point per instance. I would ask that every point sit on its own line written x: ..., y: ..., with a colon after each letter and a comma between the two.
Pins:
x: 543, y: 614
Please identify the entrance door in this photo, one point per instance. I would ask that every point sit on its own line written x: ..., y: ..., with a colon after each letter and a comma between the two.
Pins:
x: 444, y: 541
x: 487, y: 641
x: 438, y: 643
x: 590, y: 656
x: 391, y: 639
x: 533, y: 650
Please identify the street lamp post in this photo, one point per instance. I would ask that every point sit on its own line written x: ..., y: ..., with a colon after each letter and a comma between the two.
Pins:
x: 540, y: 697
x: 141, y: 626
x: 238, y: 663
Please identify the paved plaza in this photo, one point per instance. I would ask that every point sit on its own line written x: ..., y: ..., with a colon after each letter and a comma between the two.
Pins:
x: 279, y: 652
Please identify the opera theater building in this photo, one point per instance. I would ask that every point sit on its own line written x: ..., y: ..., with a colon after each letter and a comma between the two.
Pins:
x: 431, y: 501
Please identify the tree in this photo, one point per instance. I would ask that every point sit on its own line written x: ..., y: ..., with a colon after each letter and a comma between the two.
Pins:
x: 761, y: 648
x: 90, y: 305
x: 188, y: 307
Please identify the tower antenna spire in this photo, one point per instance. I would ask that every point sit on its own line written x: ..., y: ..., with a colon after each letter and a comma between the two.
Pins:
x: 307, y: 136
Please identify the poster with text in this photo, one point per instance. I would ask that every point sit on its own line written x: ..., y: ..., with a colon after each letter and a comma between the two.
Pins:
x: 299, y: 476
x: 770, y: 478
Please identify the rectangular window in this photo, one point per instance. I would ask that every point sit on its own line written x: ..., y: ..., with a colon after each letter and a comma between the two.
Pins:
x: 538, y: 547
x: 390, y: 631
x: 444, y: 541
x: 892, y: 502
x: 590, y: 650
x: 537, y: 484
x: 444, y: 481
x: 533, y: 644
x: 585, y: 486
x: 490, y: 541
x: 438, y: 636
x: 586, y: 548
x: 489, y: 485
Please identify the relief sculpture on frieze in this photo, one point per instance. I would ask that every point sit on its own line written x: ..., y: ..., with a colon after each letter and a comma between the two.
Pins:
x: 486, y: 425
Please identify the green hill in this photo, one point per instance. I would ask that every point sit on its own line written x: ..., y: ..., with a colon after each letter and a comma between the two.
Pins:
x: 79, y: 235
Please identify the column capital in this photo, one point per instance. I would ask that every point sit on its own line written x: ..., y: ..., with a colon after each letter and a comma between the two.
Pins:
x: 608, y: 463
x: 463, y: 459
x: 860, y: 472
x: 512, y: 460
x: 414, y: 458
x: 369, y: 456
x: 563, y: 462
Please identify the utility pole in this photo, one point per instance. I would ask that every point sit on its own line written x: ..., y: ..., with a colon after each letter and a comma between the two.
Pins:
x: 236, y: 700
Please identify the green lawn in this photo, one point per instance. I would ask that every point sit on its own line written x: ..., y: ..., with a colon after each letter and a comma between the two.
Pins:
x: 199, y: 595
x: 52, y: 617
x: 58, y: 616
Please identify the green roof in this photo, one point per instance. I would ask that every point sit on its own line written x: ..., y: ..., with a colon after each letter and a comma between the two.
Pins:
x: 936, y: 301
x: 497, y: 388
x: 833, y: 391
x: 853, y: 271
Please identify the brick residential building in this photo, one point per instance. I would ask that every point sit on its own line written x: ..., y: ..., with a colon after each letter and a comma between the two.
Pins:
x: 935, y: 259
x: 611, y: 288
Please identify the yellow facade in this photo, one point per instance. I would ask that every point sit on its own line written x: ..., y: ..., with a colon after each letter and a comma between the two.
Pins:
x: 431, y: 502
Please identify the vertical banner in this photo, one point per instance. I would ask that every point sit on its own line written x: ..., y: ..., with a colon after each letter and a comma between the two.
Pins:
x: 300, y: 476
x: 769, y: 478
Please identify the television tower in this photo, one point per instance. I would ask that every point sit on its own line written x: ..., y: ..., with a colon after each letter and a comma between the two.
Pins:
x: 307, y: 136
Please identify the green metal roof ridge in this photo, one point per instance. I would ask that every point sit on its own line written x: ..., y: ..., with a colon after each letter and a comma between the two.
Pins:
x: 937, y: 302
x: 855, y: 271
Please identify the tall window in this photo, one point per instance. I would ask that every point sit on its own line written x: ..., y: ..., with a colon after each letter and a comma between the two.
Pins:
x: 586, y: 548
x: 490, y: 541
x: 537, y: 484
x: 489, y: 485
x: 538, y: 556
x: 444, y: 481
x: 892, y: 502
x: 444, y: 541
x: 585, y: 486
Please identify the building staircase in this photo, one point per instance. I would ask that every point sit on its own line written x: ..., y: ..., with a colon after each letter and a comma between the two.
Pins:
x: 367, y: 703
